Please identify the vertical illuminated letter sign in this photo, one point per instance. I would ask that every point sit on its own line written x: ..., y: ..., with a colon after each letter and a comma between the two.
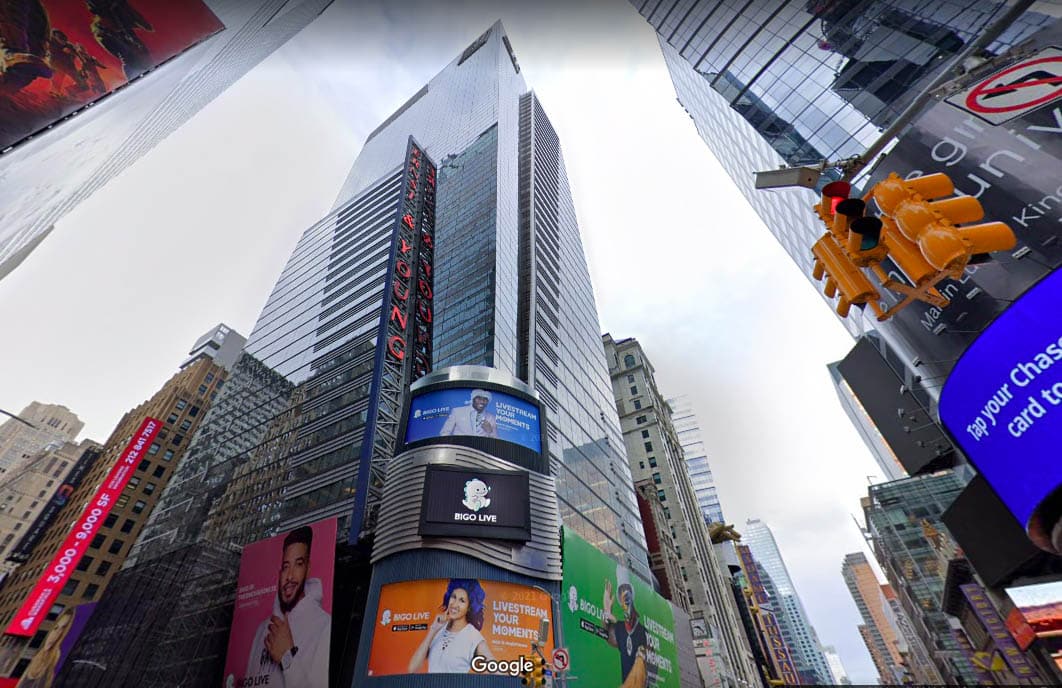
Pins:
x: 421, y: 344
x: 55, y: 576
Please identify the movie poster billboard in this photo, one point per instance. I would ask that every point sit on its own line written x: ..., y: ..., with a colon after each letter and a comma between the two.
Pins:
x: 59, y: 55
x: 282, y: 622
x: 1040, y: 606
x: 45, y: 665
x: 473, y: 412
x: 617, y: 629
x: 457, y: 626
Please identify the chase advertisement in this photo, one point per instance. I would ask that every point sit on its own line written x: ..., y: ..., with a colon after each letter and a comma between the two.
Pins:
x: 1003, y: 400
x: 618, y: 630
x: 282, y: 622
x: 457, y: 626
x: 469, y: 412
x: 59, y: 55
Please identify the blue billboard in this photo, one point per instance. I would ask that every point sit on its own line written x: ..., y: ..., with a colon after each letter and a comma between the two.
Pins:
x: 1003, y: 400
x: 472, y: 412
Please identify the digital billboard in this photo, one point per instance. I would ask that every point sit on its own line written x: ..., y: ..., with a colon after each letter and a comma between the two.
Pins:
x: 1040, y: 606
x: 457, y: 625
x: 59, y: 55
x: 617, y: 629
x: 470, y: 412
x: 1003, y: 400
x: 282, y: 622
x: 43, y: 596
x: 45, y: 665
x: 476, y: 503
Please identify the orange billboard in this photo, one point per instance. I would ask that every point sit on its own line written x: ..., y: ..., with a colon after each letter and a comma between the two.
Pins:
x: 457, y: 625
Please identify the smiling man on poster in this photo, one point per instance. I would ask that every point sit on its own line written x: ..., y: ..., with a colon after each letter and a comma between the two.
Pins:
x: 291, y: 646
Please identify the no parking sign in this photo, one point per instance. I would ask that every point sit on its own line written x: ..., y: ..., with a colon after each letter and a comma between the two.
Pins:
x: 1013, y: 91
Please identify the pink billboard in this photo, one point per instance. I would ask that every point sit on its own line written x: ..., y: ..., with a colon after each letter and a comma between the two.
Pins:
x: 43, y: 596
x: 282, y: 623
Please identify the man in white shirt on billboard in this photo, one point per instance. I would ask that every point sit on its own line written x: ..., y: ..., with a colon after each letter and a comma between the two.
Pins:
x: 472, y: 420
x: 291, y: 647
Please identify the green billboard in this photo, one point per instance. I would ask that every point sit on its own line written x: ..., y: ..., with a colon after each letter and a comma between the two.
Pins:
x: 618, y: 631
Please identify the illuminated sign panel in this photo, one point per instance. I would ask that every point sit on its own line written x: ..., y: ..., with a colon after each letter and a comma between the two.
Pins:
x: 1040, y: 609
x: 777, y: 648
x: 476, y: 503
x: 60, y: 55
x: 1003, y: 400
x: 55, y: 576
x: 472, y: 412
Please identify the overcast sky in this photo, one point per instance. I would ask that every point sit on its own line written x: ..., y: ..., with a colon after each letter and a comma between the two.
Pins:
x: 101, y: 314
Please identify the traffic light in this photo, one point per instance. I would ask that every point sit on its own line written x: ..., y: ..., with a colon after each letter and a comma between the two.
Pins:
x: 843, y: 277
x: 937, y: 225
x: 536, y: 675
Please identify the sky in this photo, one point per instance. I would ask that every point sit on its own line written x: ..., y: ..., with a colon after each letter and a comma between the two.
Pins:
x: 197, y: 231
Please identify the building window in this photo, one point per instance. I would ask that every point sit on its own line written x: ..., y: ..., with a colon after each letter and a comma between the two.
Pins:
x: 194, y: 411
x: 645, y: 434
x: 185, y: 425
x: 168, y: 455
x: 630, y: 378
x: 115, y: 547
x: 159, y: 470
x: 634, y: 389
x: 181, y: 403
x: 202, y: 390
x: 637, y: 404
x: 18, y: 525
x: 139, y: 506
x: 38, y: 640
x: 144, y: 464
x: 172, y: 418
x: 97, y: 541
x: 640, y: 420
x: 652, y: 461
x: 149, y: 488
x: 656, y: 478
x: 122, y: 500
x: 667, y: 513
x: 177, y: 439
x: 127, y: 527
x: 209, y: 378
x: 69, y: 588
x: 661, y: 496
x: 110, y: 520
x: 84, y: 564
x: 648, y: 446
x: 54, y: 612
x: 641, y: 465
x: 154, y: 448
x: 133, y: 482
x: 104, y: 567
x: 629, y: 361
x: 90, y: 591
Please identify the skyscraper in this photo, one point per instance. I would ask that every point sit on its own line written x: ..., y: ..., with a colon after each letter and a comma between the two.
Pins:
x: 796, y: 628
x: 840, y: 676
x: 656, y: 457
x: 689, y: 433
x: 774, y: 83
x: 48, y: 176
x: 45, y: 423
x: 879, y: 634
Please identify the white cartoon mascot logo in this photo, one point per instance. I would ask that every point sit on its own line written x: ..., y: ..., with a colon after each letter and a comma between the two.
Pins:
x: 476, y: 495
x: 573, y: 599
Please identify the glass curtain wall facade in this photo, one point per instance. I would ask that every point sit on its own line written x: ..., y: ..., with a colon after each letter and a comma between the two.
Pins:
x: 780, y: 83
x: 700, y: 470
x: 96, y: 145
x: 901, y: 516
x: 793, y: 620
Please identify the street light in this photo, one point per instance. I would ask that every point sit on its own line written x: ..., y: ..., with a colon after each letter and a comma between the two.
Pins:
x: 20, y: 420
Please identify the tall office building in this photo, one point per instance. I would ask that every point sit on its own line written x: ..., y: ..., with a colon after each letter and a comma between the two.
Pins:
x: 700, y: 469
x: 45, y: 423
x: 882, y: 638
x: 776, y: 83
x: 46, y: 177
x: 840, y: 676
x: 902, y: 517
x: 656, y: 454
x: 111, y: 502
x: 31, y: 493
x: 796, y: 628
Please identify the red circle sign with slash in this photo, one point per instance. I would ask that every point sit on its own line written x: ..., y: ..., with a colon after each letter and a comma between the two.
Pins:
x: 1027, y: 77
x: 561, y: 659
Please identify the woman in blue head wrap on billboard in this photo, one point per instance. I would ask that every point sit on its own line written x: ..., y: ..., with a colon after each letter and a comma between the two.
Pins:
x: 454, y: 637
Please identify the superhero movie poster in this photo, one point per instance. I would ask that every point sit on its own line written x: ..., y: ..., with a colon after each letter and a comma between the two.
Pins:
x: 58, y: 55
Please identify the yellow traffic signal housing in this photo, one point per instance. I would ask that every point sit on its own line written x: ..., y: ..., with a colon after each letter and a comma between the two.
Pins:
x: 934, y: 225
x: 842, y: 276
x: 536, y: 676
